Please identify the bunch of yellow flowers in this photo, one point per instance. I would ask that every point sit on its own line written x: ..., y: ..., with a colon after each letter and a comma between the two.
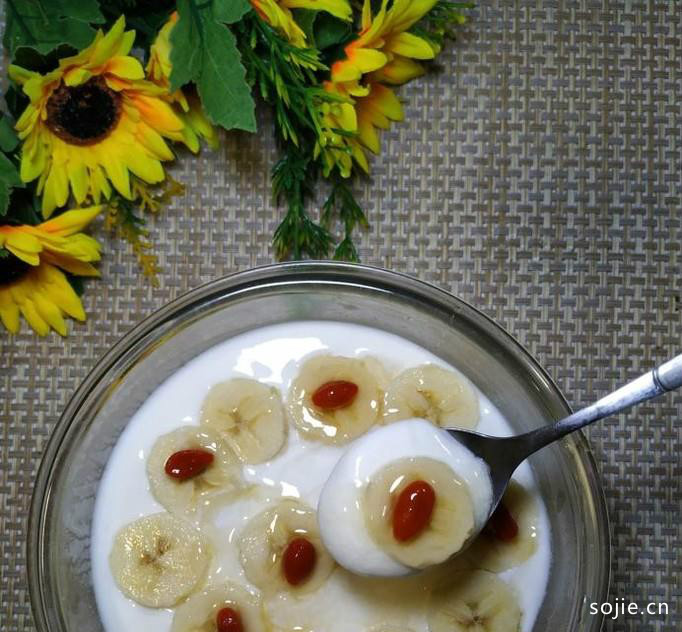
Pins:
x: 94, y: 132
x: 96, y: 125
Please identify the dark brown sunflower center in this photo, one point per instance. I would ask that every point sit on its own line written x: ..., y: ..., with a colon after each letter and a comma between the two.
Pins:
x: 11, y: 268
x: 85, y: 114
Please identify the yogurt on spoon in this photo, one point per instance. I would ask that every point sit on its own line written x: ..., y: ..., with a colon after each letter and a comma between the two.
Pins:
x: 403, y: 497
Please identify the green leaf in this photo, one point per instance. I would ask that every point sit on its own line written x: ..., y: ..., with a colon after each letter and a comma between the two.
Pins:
x: 225, y: 95
x: 4, y: 253
x: 186, y: 45
x: 43, y: 25
x: 230, y: 11
x: 9, y: 178
x: 330, y: 31
x: 8, y: 137
x: 205, y: 52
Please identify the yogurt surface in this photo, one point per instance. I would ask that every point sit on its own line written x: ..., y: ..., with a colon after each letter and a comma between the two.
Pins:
x: 272, y: 355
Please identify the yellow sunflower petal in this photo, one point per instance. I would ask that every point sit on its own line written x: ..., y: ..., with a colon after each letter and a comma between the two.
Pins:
x: 26, y: 121
x: 145, y: 167
x: 109, y: 44
x: 368, y: 135
x: 59, y: 290
x: 125, y: 67
x: 80, y: 246
x: 56, y: 190
x: 410, y: 45
x: 20, y: 75
x: 358, y: 62
x: 72, y: 266
x: 33, y: 162
x: 76, y: 76
x: 386, y: 101
x: 199, y: 123
x: 9, y: 311
x: 153, y: 142
x: 78, y: 179
x: 116, y: 84
x: 71, y: 222
x: 117, y: 172
x: 50, y: 313
x: 99, y: 184
x: 338, y: 8
x: 160, y: 115
x: 33, y: 318
x: 360, y: 157
x: 405, y: 13
x: 23, y: 245
x: 398, y: 71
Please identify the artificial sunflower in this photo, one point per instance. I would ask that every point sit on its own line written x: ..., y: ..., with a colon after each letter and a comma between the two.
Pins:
x: 186, y: 105
x: 384, y: 46
x: 277, y: 13
x: 92, y: 122
x: 32, y: 284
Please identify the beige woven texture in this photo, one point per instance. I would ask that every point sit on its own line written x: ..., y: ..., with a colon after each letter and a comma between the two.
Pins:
x: 538, y: 175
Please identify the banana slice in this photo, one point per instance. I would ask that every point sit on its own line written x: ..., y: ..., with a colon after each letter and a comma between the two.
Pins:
x: 350, y: 411
x: 433, y: 393
x: 201, y: 611
x: 474, y: 601
x: 274, y: 553
x: 388, y: 627
x: 158, y: 560
x: 220, y: 479
x: 249, y: 416
x: 514, y: 542
x: 390, y: 516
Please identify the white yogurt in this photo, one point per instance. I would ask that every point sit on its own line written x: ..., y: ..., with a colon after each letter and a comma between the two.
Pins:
x: 272, y: 355
x: 340, y: 512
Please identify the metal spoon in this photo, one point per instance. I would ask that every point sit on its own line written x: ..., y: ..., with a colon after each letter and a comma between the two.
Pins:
x: 504, y: 454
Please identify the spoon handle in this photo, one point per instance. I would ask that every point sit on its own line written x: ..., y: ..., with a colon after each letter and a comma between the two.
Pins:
x: 666, y: 377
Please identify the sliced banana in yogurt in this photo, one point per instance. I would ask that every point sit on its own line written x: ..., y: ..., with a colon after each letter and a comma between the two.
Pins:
x: 280, y: 549
x: 248, y: 416
x: 189, y: 468
x: 418, y: 511
x: 473, y: 601
x: 433, y: 393
x: 228, y: 606
x: 159, y: 560
x: 510, y: 537
x: 335, y: 399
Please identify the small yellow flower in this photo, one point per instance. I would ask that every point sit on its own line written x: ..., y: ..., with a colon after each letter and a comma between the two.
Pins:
x: 187, y: 107
x: 384, y: 46
x: 277, y: 13
x: 31, y: 283
x: 337, y: 143
x: 92, y: 122
x: 350, y: 126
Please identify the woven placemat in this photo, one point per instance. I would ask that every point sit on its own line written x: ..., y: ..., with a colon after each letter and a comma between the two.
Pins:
x: 538, y: 175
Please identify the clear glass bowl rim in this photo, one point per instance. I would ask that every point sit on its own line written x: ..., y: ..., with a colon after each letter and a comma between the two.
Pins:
x: 277, y: 275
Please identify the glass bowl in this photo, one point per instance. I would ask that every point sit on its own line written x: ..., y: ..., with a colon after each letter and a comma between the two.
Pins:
x: 59, y: 575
